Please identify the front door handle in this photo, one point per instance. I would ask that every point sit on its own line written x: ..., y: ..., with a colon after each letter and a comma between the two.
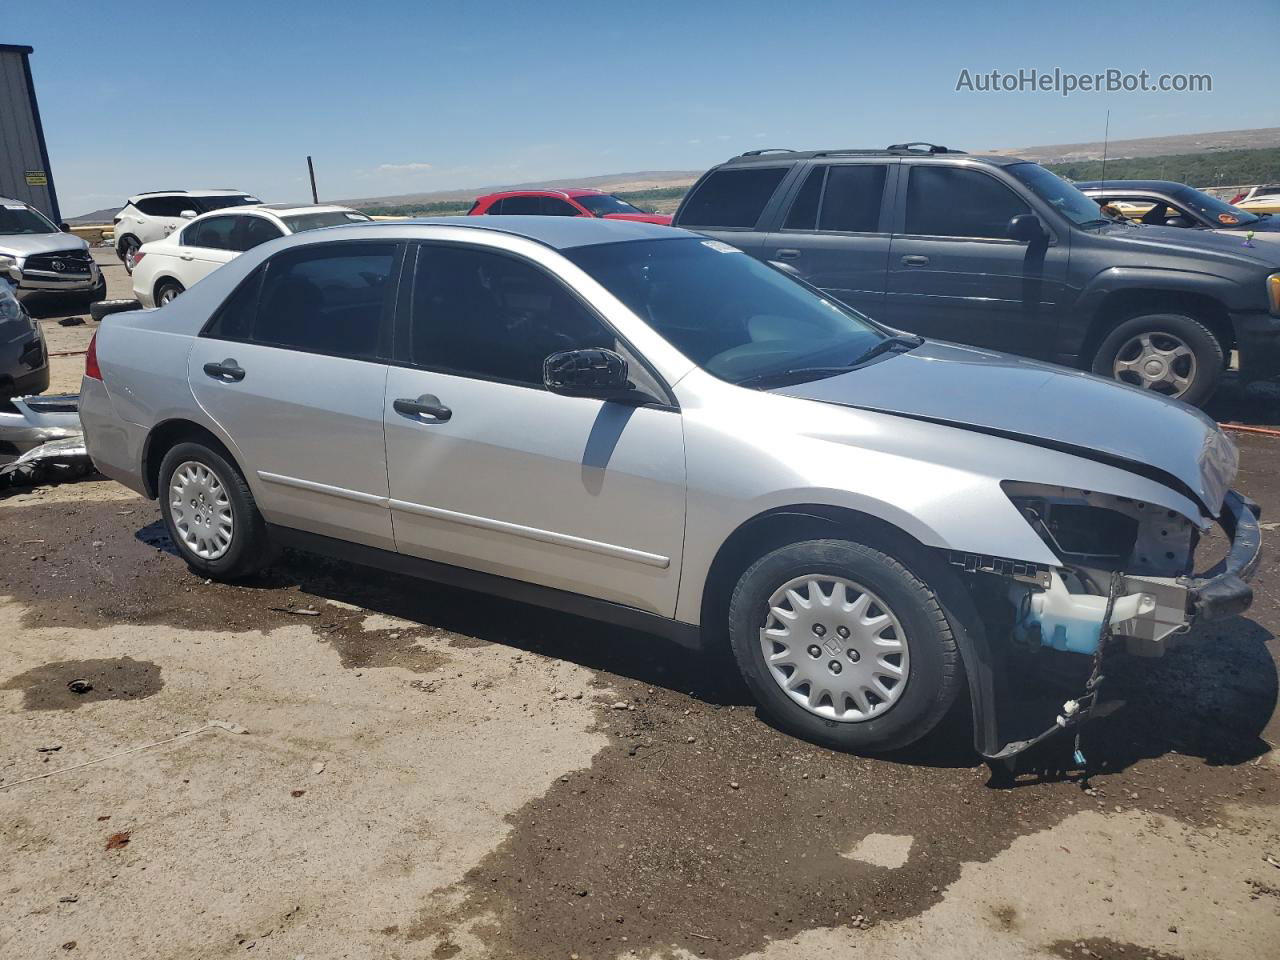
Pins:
x: 186, y: 256
x: 915, y: 261
x: 427, y: 405
x: 228, y: 370
x: 788, y: 253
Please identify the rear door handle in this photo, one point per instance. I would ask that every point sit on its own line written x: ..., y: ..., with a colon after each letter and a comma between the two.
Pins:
x: 186, y: 256
x: 915, y: 261
x: 427, y: 405
x: 228, y: 370
x: 788, y: 253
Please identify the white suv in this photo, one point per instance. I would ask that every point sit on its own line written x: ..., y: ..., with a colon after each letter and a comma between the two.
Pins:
x: 157, y: 213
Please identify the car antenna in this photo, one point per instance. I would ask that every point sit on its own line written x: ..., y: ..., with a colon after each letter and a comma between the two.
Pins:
x: 1106, y: 136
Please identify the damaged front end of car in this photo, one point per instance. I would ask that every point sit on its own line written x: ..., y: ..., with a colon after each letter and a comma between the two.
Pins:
x: 1127, y: 577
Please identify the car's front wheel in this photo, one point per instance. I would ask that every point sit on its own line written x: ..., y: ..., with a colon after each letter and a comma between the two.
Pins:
x: 210, y: 513
x: 1167, y: 353
x: 843, y: 645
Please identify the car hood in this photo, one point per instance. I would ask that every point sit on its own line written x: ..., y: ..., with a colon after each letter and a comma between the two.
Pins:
x: 1046, y: 406
x: 24, y: 245
x: 1208, y: 246
x: 662, y: 218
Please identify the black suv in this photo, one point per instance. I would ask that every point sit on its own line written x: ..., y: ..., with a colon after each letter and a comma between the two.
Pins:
x: 1001, y: 253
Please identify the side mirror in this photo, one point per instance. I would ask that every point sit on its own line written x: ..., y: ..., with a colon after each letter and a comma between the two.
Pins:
x: 64, y: 227
x: 1026, y: 228
x: 601, y: 374
x: 187, y: 214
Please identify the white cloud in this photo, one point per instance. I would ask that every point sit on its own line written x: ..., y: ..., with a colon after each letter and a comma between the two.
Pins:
x: 403, y: 167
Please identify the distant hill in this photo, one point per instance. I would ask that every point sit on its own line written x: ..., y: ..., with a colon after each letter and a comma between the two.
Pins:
x: 1180, y: 145
x: 1171, y: 152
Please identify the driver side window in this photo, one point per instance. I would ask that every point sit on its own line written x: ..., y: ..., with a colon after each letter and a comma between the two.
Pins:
x: 492, y: 316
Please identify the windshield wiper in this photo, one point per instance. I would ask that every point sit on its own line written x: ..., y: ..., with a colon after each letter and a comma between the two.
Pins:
x: 780, y: 377
x: 908, y: 341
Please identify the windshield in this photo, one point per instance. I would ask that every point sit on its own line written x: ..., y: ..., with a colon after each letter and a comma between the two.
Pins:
x: 734, y: 316
x: 205, y: 204
x: 19, y: 219
x: 1215, y: 210
x: 606, y: 203
x: 1059, y: 194
x: 328, y: 218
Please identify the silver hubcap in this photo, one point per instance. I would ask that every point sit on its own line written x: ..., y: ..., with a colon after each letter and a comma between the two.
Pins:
x: 1156, y: 361
x: 835, y: 648
x: 130, y: 257
x: 168, y: 294
x: 201, y: 510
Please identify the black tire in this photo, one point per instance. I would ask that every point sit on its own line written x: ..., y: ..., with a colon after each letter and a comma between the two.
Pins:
x: 124, y: 250
x: 935, y: 676
x: 168, y: 288
x: 1166, y: 328
x: 250, y: 548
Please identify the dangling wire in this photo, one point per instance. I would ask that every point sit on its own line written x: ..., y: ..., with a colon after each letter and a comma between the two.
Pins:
x: 1090, y: 699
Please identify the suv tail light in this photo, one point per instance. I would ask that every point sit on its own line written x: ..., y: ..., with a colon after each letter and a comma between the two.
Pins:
x: 91, y: 368
x: 137, y: 257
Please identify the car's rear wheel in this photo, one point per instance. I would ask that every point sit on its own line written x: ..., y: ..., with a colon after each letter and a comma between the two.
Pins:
x: 127, y: 250
x: 844, y: 645
x: 168, y: 291
x: 210, y: 513
x: 1167, y: 353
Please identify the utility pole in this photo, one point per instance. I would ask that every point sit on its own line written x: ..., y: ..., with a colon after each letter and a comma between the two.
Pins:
x: 311, y: 169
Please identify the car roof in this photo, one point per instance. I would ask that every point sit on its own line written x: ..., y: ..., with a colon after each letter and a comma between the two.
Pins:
x: 776, y: 155
x: 1160, y: 186
x: 562, y: 233
x: 214, y: 192
x: 292, y: 208
x: 542, y: 191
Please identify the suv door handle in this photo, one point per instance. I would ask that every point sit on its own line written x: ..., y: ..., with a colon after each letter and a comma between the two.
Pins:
x: 228, y: 370
x: 788, y: 253
x: 427, y: 405
x: 915, y: 261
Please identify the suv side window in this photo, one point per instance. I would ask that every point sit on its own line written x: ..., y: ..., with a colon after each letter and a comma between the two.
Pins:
x: 162, y: 206
x: 214, y: 233
x: 732, y: 198
x: 332, y: 298
x: 844, y: 198
x: 947, y: 201
x: 492, y: 316
x: 555, y: 207
x: 496, y: 206
x: 518, y: 206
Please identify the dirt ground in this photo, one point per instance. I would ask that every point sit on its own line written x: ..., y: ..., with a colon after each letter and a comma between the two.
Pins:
x: 338, y: 762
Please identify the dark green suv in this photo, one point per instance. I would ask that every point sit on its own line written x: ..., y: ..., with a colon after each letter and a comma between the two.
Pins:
x: 1000, y: 253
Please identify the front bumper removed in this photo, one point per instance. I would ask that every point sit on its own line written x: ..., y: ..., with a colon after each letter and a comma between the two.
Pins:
x: 1144, y: 612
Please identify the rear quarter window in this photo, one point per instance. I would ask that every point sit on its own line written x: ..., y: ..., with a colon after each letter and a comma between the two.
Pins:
x: 731, y: 198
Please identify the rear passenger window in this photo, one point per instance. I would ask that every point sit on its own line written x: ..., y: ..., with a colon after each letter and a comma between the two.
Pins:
x: 843, y: 199
x: 332, y: 299
x: 214, y: 233
x: 851, y: 201
x: 522, y: 206
x: 552, y: 207
x: 732, y: 198
x: 952, y: 202
x: 494, y: 317
x: 234, y: 319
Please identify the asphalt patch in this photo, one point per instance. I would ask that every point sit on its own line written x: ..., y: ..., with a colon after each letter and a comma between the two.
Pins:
x: 49, y: 687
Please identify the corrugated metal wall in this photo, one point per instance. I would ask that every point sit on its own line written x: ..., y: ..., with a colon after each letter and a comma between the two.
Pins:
x: 22, y: 166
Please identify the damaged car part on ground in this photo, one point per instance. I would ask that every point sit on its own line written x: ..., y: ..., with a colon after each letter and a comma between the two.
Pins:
x: 39, y: 433
x: 651, y: 428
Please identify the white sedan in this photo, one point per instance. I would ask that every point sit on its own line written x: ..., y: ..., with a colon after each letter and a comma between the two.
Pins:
x: 164, y: 268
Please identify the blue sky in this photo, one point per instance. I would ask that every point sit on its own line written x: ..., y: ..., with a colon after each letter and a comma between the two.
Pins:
x: 416, y: 96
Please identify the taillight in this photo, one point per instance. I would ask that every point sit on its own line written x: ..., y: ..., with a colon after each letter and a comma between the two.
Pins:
x: 91, y: 368
x: 137, y: 257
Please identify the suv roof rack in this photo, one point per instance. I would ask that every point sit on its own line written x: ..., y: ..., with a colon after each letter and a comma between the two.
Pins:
x: 762, y: 152
x: 921, y: 146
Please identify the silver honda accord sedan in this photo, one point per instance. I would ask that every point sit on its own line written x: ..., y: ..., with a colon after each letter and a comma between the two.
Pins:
x: 651, y: 428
